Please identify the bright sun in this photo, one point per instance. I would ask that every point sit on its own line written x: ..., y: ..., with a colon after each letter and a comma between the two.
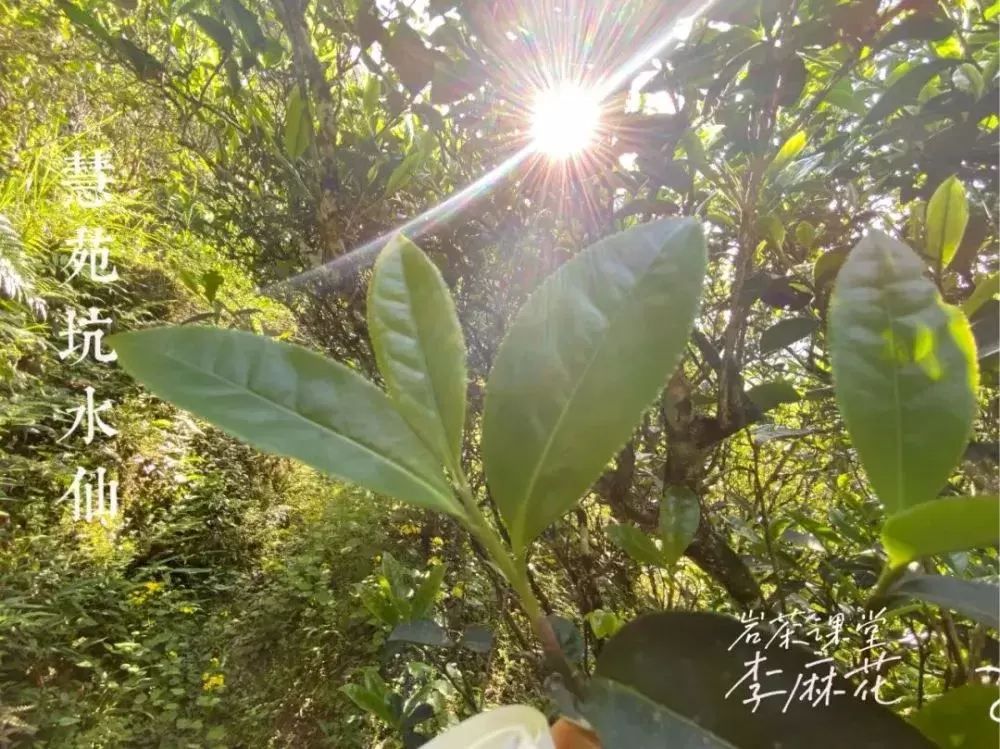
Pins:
x: 564, y: 120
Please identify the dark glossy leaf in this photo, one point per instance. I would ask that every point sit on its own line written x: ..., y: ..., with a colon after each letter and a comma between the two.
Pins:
x: 216, y: 31
x: 453, y: 81
x: 84, y: 18
x: 918, y: 27
x: 763, y: 433
x: 634, y: 542
x: 579, y: 364
x: 418, y: 715
x: 246, y: 22
x: 941, y: 525
x: 290, y: 401
x: 792, y: 77
x: 786, y: 332
x: 687, y: 662
x: 569, y: 637
x: 622, y: 717
x: 975, y: 599
x: 772, y: 394
x: 367, y: 25
x: 844, y: 97
x: 412, y: 61
x: 680, y: 515
x: 960, y: 718
x: 947, y: 216
x: 905, y: 371
x: 421, y: 632
x: 146, y: 66
x: 419, y: 347
x: 771, y: 227
x: 211, y: 281
x: 477, y: 638
x: 905, y: 90
x: 423, y: 598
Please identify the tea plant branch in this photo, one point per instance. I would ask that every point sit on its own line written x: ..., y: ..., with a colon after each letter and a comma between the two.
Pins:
x: 766, y: 518
x: 517, y: 576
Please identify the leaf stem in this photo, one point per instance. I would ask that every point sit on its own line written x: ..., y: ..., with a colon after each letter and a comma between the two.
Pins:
x: 517, y: 575
x: 888, y: 578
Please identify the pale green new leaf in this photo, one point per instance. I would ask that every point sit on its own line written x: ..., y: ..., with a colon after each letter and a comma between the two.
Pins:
x: 947, y: 216
x: 585, y: 355
x: 423, y: 598
x: 941, y: 525
x: 988, y: 288
x: 904, y: 369
x: 404, y: 172
x: 419, y: 347
x: 791, y: 148
x: 635, y: 543
x: 290, y: 401
x: 680, y: 515
x: 298, y: 128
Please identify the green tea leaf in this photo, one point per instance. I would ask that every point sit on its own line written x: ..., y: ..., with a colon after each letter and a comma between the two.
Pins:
x: 368, y: 701
x: 580, y: 362
x: 298, y: 128
x: 403, y: 172
x: 569, y: 637
x: 603, y: 623
x: 477, y: 638
x: 805, y: 235
x: 904, y: 369
x: 843, y: 97
x: 634, y: 542
x: 622, y: 717
x: 827, y: 266
x: 947, y: 216
x: 772, y: 394
x: 84, y: 18
x: 988, y: 288
x: 791, y: 148
x: 290, y: 401
x: 905, y: 90
x: 246, y: 22
x: 421, y: 632
x: 977, y: 600
x: 694, y: 665
x: 947, y: 524
x: 216, y: 31
x: 960, y: 718
x: 917, y: 27
x: 771, y: 227
x: 419, y: 347
x: 785, y: 333
x: 680, y: 515
x: 423, y: 598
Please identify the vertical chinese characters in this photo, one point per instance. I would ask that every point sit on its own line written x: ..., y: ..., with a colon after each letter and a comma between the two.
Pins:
x: 94, y: 494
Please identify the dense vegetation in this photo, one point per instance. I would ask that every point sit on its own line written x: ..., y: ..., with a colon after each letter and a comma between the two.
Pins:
x: 602, y: 433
